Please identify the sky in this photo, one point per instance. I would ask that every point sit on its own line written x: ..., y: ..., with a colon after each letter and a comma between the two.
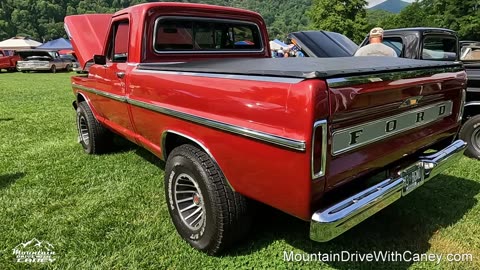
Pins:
x: 372, y: 3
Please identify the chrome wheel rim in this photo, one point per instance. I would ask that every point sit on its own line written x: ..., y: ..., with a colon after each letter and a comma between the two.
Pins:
x: 476, y: 139
x: 189, y: 202
x: 83, y: 130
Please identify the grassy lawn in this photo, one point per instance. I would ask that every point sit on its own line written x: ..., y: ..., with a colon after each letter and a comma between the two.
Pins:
x: 109, y: 211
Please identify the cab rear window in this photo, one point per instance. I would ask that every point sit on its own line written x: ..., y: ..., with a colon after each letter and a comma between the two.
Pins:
x: 185, y: 34
x: 439, y: 48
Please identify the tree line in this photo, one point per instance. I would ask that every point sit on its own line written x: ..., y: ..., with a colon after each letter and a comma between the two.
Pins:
x: 43, y: 19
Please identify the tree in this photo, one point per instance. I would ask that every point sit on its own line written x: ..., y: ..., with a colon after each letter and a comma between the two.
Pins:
x: 347, y: 17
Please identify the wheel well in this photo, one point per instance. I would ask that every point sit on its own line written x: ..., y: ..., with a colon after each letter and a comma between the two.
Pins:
x: 471, y: 111
x: 172, y: 140
x: 80, y: 98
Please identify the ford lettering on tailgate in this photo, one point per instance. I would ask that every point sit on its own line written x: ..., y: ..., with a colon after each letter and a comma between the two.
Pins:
x: 351, y: 138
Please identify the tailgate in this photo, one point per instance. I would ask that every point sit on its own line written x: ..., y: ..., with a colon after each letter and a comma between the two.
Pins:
x: 379, y: 118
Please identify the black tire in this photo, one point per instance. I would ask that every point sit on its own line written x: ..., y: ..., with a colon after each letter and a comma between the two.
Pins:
x: 226, y: 218
x: 53, y: 69
x: 94, y: 138
x: 470, y: 133
x: 68, y: 68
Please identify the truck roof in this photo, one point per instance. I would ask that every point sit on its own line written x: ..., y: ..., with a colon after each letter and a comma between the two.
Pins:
x: 140, y: 8
x: 422, y: 30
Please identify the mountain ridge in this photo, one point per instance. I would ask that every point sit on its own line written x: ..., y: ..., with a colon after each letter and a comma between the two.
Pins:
x: 393, y: 6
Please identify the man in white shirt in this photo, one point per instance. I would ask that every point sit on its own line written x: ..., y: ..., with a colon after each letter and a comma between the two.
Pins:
x: 375, y: 46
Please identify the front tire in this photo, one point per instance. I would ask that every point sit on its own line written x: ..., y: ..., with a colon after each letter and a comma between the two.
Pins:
x: 470, y: 133
x: 94, y: 138
x: 206, y: 212
x: 53, y: 69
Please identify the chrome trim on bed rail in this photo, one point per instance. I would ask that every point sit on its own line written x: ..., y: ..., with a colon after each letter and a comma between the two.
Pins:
x: 246, y: 132
x: 222, y: 76
x: 335, y: 220
x: 388, y: 76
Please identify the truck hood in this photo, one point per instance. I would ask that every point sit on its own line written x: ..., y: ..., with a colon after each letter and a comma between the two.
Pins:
x: 323, y: 43
x: 88, y: 34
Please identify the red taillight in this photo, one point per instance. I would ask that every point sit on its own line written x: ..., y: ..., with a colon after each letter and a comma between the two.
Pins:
x: 319, y: 149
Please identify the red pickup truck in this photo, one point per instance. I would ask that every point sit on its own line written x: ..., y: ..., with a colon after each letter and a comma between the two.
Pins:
x: 8, y: 60
x: 196, y: 85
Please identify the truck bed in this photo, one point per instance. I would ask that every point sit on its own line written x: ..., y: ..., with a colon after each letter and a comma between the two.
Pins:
x: 305, y: 68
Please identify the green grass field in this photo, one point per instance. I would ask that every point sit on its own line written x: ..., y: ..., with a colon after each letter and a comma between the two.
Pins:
x: 109, y: 211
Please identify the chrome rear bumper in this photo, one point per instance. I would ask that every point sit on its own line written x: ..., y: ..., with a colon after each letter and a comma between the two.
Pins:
x: 330, y: 223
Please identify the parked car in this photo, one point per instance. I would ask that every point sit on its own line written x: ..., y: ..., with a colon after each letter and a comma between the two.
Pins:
x: 79, y: 69
x: 8, y: 60
x: 69, y: 58
x: 232, y: 123
x: 40, y: 60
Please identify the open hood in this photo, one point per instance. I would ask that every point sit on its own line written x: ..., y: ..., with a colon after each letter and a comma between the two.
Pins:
x: 88, y: 34
x: 323, y: 43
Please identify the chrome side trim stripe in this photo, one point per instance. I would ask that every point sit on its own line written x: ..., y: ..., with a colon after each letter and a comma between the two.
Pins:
x: 390, y: 76
x: 262, y: 136
x: 100, y: 93
x: 223, y: 76
x: 289, y: 143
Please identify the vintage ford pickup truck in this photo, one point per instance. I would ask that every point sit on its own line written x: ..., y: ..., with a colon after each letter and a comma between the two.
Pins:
x: 195, y: 85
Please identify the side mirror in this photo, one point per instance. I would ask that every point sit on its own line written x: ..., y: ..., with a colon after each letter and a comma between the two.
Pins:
x: 100, y: 59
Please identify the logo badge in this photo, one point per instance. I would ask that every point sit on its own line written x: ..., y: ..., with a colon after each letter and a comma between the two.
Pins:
x: 411, y: 101
x: 34, y: 251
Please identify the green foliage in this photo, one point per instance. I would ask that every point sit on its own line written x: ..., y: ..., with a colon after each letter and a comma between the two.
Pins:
x: 347, y: 17
x: 462, y: 16
x: 43, y: 19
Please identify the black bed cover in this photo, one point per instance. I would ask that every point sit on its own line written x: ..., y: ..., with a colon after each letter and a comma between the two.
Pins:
x: 301, y: 67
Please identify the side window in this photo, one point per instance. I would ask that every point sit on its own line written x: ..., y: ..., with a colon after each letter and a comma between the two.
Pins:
x: 179, y: 34
x: 396, y: 43
x: 439, y: 48
x: 118, y: 44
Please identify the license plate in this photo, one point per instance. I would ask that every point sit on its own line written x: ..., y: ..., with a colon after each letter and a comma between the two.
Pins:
x: 413, y: 177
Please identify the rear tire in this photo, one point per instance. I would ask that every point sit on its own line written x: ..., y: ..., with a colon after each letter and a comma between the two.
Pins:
x: 94, y: 138
x: 470, y: 133
x: 53, y: 69
x: 68, y: 68
x: 206, y: 212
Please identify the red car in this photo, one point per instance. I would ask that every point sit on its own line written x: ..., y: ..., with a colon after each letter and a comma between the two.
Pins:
x: 233, y: 124
x: 8, y: 60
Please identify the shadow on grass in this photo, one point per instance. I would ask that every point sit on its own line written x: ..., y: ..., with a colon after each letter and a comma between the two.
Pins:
x: 8, y: 179
x: 6, y: 119
x: 407, y: 225
x: 124, y: 145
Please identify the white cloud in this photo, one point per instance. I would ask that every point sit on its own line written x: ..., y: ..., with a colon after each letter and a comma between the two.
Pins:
x: 372, y: 3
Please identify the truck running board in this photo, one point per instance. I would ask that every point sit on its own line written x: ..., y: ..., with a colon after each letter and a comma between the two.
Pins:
x: 330, y: 223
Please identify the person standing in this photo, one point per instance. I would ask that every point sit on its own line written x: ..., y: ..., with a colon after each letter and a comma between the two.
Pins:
x: 375, y: 46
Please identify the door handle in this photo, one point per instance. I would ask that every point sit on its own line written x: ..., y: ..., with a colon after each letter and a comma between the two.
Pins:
x: 120, y: 75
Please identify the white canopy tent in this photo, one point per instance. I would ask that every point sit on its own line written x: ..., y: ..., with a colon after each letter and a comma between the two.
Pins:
x: 16, y: 43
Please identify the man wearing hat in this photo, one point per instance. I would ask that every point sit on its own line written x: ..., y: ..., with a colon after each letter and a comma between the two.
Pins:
x: 375, y: 46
